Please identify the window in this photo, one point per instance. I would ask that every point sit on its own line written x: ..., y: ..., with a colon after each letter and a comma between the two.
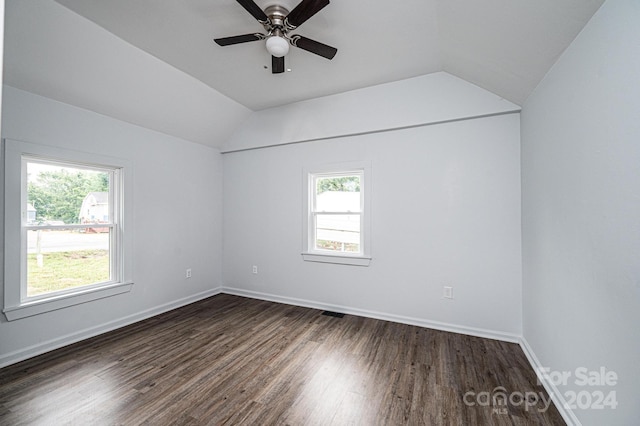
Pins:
x: 72, y: 239
x: 64, y: 241
x: 337, y: 215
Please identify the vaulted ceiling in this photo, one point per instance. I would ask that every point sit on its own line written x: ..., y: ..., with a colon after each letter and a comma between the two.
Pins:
x: 503, y: 46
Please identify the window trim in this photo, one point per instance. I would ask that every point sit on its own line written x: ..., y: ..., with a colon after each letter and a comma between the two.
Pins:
x: 16, y: 304
x: 309, y: 253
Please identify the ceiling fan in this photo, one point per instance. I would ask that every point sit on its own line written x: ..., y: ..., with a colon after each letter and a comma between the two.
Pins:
x: 278, y: 22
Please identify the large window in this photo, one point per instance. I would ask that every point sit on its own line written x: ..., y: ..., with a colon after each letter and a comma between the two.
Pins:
x: 337, y: 215
x: 71, y: 228
x: 69, y: 213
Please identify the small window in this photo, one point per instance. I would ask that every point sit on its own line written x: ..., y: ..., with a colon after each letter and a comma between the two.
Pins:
x: 336, y: 223
x: 64, y: 239
x: 336, y: 212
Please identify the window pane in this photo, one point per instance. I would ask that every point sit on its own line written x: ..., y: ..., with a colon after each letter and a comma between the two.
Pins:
x: 58, y: 195
x: 338, y: 233
x: 338, y: 194
x: 63, y: 259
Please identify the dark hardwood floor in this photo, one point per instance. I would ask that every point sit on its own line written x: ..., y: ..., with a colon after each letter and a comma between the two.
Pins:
x: 232, y: 360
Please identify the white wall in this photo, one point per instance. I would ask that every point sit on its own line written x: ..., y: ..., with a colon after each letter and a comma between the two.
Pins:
x: 445, y: 211
x: 581, y: 210
x: 415, y: 101
x: 177, y: 191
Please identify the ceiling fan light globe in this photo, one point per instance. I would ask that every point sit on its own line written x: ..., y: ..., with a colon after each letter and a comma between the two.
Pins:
x: 277, y: 46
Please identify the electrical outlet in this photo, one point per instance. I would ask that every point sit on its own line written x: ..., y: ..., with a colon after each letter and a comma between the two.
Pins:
x: 255, y: 269
x: 188, y: 274
x: 447, y: 292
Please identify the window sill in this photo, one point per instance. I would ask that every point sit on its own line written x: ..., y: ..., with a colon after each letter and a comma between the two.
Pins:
x: 41, y: 306
x: 337, y: 259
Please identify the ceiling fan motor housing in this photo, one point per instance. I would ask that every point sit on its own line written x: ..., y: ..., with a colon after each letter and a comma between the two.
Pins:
x: 277, y: 15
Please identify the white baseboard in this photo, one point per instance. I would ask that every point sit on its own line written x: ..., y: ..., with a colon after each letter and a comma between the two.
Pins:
x: 49, y: 345
x: 553, y: 391
x: 472, y: 331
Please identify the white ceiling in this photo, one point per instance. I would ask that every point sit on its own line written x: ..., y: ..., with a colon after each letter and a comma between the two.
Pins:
x: 153, y: 63
x: 504, y: 46
x: 53, y: 52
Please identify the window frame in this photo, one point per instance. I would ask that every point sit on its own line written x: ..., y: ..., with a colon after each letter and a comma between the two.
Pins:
x: 310, y: 175
x: 16, y: 155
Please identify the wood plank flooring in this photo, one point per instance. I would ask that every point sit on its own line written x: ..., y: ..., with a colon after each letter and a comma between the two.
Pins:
x: 229, y: 360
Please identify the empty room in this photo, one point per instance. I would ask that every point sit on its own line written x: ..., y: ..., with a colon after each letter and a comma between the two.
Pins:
x: 307, y: 212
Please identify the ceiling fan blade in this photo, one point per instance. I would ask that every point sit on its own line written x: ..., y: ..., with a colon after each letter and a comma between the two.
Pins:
x: 254, y: 10
x: 314, y: 47
x: 303, y: 11
x: 244, y: 38
x: 277, y: 65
